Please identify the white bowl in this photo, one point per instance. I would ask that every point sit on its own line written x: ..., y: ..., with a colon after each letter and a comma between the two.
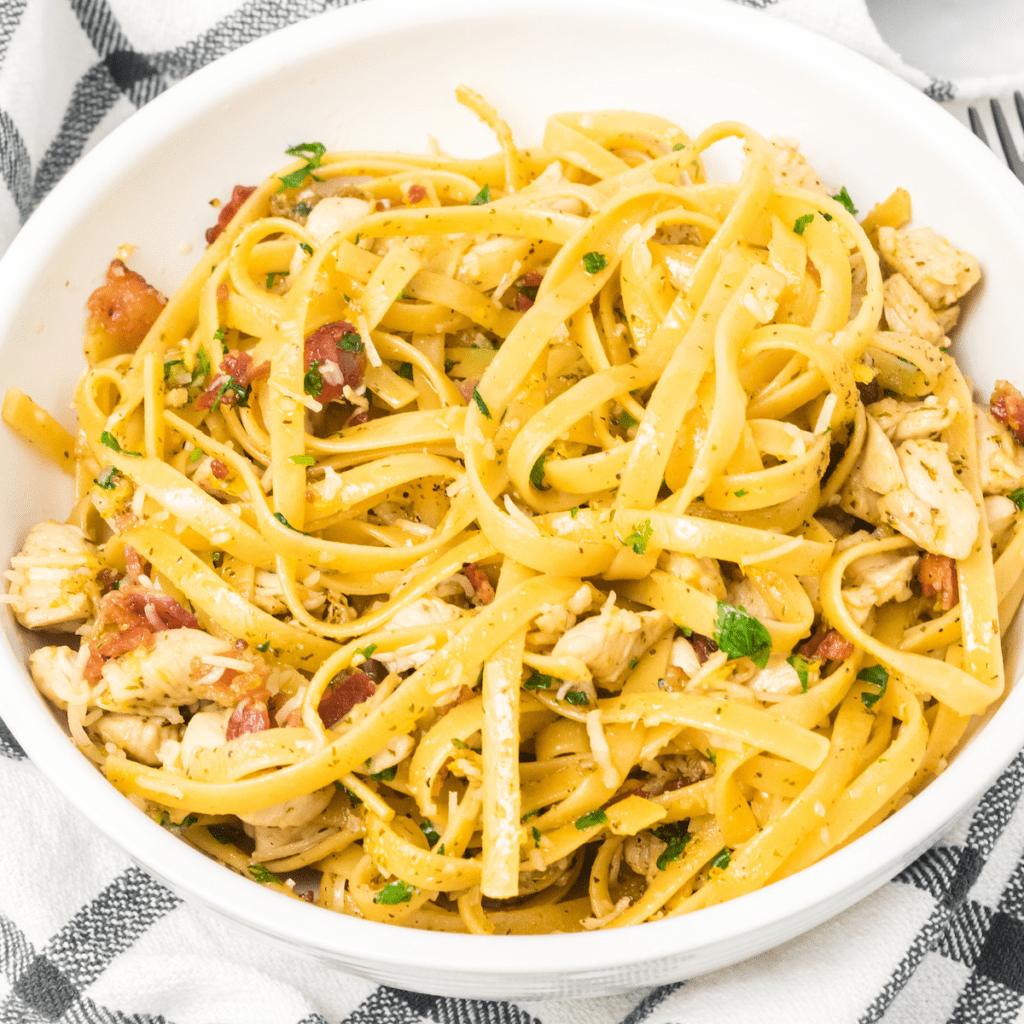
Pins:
x: 382, y: 75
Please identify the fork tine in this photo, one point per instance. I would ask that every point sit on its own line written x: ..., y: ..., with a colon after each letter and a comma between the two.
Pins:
x: 976, y: 126
x: 1018, y: 100
x: 1003, y: 131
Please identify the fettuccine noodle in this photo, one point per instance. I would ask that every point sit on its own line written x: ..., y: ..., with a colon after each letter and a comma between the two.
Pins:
x: 552, y: 541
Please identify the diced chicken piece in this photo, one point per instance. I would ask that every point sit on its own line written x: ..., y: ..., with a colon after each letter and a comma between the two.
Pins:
x: 792, y: 168
x: 934, y: 509
x: 270, y: 594
x: 858, y: 281
x: 684, y: 657
x: 906, y: 311
x: 424, y: 612
x: 142, y: 739
x: 641, y: 853
x: 914, y: 489
x: 906, y: 421
x: 1001, y: 514
x: 777, y: 677
x: 206, y: 730
x: 704, y: 574
x: 877, y: 579
x: 744, y: 593
x: 291, y: 813
x: 936, y: 270
x: 609, y: 641
x: 1000, y: 459
x: 52, y: 670
x: 173, y: 672
x: 334, y: 214
x: 52, y: 578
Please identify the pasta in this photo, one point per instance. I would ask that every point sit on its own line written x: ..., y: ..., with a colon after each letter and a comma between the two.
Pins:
x: 554, y: 541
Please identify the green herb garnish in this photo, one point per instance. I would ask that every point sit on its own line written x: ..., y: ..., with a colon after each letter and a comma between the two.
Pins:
x: 640, y: 537
x: 576, y: 697
x: 394, y: 893
x: 367, y: 650
x: 386, y: 775
x: 677, y: 836
x: 594, y: 262
x: 313, y: 382
x: 481, y: 404
x: 263, y: 647
x: 427, y: 828
x: 263, y: 876
x: 536, y: 835
x: 802, y: 222
x: 106, y: 479
x: 405, y: 371
x: 302, y: 460
x: 351, y: 343
x: 574, y: 511
x: 111, y: 442
x: 538, y: 681
x: 537, y: 474
x: 802, y: 666
x: 591, y: 819
x: 483, y: 196
x: 721, y: 859
x: 844, y: 197
x: 740, y: 634
x: 626, y: 421
x: 313, y: 153
x: 1017, y: 497
x: 306, y: 248
x: 875, y: 675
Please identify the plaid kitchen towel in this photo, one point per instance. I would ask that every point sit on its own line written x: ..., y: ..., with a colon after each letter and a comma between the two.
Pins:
x: 86, y: 936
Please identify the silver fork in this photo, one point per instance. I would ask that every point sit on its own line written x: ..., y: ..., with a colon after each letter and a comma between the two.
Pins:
x: 1013, y: 158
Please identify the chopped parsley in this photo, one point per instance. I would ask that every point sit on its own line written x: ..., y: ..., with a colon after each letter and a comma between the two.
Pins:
x: 106, y: 479
x: 721, y: 859
x: 313, y: 153
x: 483, y: 196
x: 405, y: 371
x: 263, y: 647
x: 740, y: 634
x: 303, y: 209
x: 640, y: 537
x: 712, y: 757
x: 532, y: 814
x: 802, y: 667
x: 481, y: 404
x: 306, y: 248
x: 842, y: 196
x: 591, y: 819
x: 741, y: 493
x: 351, y: 343
x: 218, y: 335
x: 626, y: 421
x: 538, y: 681
x: 687, y: 632
x: 367, y: 650
x: 232, y: 385
x: 594, y: 262
x: 537, y: 474
x: 677, y: 836
x: 263, y: 876
x: 216, y: 558
x: 875, y: 675
x: 111, y: 442
x: 827, y: 216
x: 802, y: 222
x: 313, y: 382
x: 302, y: 460
x: 169, y: 370
x: 633, y: 662
x: 576, y: 697
x: 202, y: 367
x: 394, y: 893
x: 1017, y: 497
x: 574, y: 511
x: 678, y: 146
x: 449, y: 365
x: 273, y: 274
x: 427, y: 828
x: 279, y: 516
x: 461, y: 744
x: 535, y: 832
x: 195, y: 455
x: 387, y: 775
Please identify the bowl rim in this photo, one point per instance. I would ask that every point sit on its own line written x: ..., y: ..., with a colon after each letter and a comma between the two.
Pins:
x: 812, y: 895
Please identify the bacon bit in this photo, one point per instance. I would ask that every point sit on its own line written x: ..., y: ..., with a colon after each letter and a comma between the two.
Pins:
x: 481, y: 584
x: 136, y: 566
x: 343, y: 694
x: 463, y: 694
x: 222, y: 291
x: 294, y: 719
x: 937, y: 575
x: 417, y: 193
x: 1007, y: 405
x: 467, y: 387
x: 106, y: 579
x: 126, y: 306
x: 239, y: 194
x: 359, y: 416
x: 218, y: 469
x: 115, y: 644
x: 870, y: 392
x: 523, y: 302
x: 236, y: 367
x: 831, y: 644
x: 337, y: 366
x: 250, y: 715
x: 703, y: 646
x: 532, y: 280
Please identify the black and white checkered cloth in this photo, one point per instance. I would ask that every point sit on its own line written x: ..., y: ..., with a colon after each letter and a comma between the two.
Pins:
x: 86, y: 937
